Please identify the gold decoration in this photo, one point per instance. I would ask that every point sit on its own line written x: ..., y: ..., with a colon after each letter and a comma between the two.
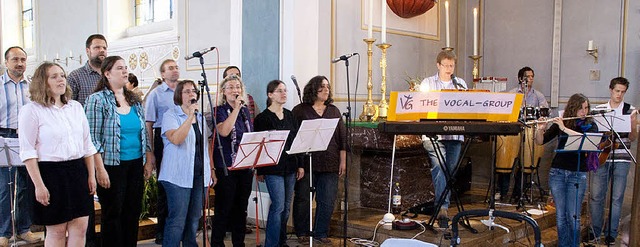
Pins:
x: 133, y: 61
x: 144, y: 60
x: 383, y: 107
x: 175, y: 53
x: 476, y: 64
x: 369, y: 110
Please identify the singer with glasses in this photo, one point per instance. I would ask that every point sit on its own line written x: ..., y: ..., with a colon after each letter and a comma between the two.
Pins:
x: 233, y: 190
x: 328, y: 165
x: 118, y: 131
x: 281, y: 178
x: 567, y: 178
x: 615, y: 172
x: 449, y: 145
x: 186, y: 167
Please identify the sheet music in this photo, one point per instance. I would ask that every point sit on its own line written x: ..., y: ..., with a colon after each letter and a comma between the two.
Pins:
x: 10, y: 147
x: 621, y: 123
x: 247, y: 154
x: 591, y: 141
x: 314, y: 135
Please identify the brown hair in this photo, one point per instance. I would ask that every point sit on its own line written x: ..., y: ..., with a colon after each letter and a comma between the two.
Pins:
x: 166, y: 61
x: 108, y: 63
x: 177, y: 94
x: 271, y: 87
x: 221, y: 97
x: 39, y: 88
x: 446, y: 55
x: 573, y: 106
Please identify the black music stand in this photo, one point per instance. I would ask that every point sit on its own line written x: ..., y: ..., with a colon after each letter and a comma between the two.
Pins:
x: 450, y: 181
x: 10, y: 147
x: 313, y: 136
x: 583, y: 143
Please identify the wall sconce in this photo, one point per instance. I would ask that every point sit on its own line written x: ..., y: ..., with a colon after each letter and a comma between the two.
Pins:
x: 593, y: 51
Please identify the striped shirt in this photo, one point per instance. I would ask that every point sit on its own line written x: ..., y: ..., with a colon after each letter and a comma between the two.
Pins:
x: 13, y: 96
x: 104, y: 123
x: 158, y: 102
x: 83, y: 81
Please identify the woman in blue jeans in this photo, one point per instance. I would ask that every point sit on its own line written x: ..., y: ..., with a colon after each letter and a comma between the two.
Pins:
x: 566, y: 172
x: 281, y: 178
x: 186, y: 169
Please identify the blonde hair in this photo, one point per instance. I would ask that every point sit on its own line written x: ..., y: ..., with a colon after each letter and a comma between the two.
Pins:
x: 39, y: 88
x: 222, y: 99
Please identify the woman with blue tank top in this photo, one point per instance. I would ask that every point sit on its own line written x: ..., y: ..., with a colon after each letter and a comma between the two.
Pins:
x: 116, y: 122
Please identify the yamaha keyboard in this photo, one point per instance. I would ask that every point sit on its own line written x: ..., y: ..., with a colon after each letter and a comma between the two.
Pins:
x: 451, y: 128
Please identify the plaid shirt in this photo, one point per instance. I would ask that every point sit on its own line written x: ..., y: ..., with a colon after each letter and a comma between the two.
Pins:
x: 104, y: 124
x: 83, y: 81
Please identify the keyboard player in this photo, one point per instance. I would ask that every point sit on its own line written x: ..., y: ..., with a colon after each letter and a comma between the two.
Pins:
x: 449, y: 145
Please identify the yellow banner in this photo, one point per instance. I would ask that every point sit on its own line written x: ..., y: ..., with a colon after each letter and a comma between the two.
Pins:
x: 454, y: 105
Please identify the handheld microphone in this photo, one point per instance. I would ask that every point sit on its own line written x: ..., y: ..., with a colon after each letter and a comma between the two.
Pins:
x: 241, y: 101
x: 295, y: 82
x: 193, y: 101
x: 600, y: 111
x: 343, y: 57
x: 199, y: 53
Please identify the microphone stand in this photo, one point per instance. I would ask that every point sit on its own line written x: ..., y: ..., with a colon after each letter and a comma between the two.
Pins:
x: 523, y: 141
x: 615, y: 136
x: 204, y: 87
x: 348, y: 160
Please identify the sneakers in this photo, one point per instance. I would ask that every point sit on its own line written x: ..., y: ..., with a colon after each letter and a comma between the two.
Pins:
x: 4, y: 242
x: 609, y: 240
x: 303, y: 239
x: 497, y: 197
x: 29, y: 237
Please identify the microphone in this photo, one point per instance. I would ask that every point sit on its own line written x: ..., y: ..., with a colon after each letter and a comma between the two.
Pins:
x: 199, y: 53
x: 193, y: 101
x: 600, y: 111
x: 343, y: 57
x: 241, y: 101
x: 455, y: 82
x: 295, y: 82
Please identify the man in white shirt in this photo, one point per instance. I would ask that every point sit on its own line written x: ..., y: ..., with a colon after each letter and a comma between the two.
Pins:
x: 449, y: 145
x: 619, y: 169
x: 14, y: 93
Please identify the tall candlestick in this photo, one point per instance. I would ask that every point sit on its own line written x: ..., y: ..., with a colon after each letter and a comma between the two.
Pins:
x: 370, y: 26
x: 446, y: 23
x: 384, y: 21
x: 475, y: 31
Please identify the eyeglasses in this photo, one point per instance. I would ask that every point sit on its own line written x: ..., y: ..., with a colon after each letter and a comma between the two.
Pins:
x: 448, y: 66
x: 280, y: 91
x: 232, y: 88
x: 190, y: 91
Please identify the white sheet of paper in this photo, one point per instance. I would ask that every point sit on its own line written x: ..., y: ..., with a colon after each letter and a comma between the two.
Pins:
x: 10, y: 148
x: 314, y: 135
x: 621, y: 123
x: 590, y: 143
x: 247, y: 155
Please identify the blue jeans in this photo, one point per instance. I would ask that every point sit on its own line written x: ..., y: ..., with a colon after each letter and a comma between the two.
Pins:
x: 281, y: 193
x: 451, y: 152
x: 599, y: 184
x: 568, y: 200
x: 326, y: 184
x: 23, y: 219
x: 184, y: 211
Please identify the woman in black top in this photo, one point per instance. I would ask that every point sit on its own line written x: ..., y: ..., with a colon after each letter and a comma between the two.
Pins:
x: 568, y: 173
x: 281, y: 178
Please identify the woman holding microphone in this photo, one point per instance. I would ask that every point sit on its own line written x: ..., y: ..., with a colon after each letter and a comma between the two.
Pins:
x: 186, y: 168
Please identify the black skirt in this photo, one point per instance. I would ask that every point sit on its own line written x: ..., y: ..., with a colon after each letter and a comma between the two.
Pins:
x: 69, y: 198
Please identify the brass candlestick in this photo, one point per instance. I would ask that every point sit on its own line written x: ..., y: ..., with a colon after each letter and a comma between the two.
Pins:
x: 594, y: 53
x: 369, y: 110
x: 383, y: 107
x: 476, y: 63
x: 447, y: 48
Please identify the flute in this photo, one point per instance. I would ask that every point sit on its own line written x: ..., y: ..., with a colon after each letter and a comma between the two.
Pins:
x: 551, y: 119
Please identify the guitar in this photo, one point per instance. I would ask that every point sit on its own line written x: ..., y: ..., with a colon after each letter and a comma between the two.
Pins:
x: 606, y: 147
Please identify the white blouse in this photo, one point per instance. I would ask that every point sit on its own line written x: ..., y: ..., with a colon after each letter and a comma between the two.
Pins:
x: 54, y: 133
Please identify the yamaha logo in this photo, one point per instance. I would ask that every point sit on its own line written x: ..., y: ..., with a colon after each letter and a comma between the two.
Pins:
x: 453, y: 128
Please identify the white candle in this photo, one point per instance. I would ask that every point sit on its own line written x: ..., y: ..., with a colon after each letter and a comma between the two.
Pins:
x: 475, y: 31
x: 446, y: 23
x: 45, y: 57
x: 57, y: 56
x: 370, y: 27
x: 384, y: 21
x: 590, y: 46
x: 70, y: 53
